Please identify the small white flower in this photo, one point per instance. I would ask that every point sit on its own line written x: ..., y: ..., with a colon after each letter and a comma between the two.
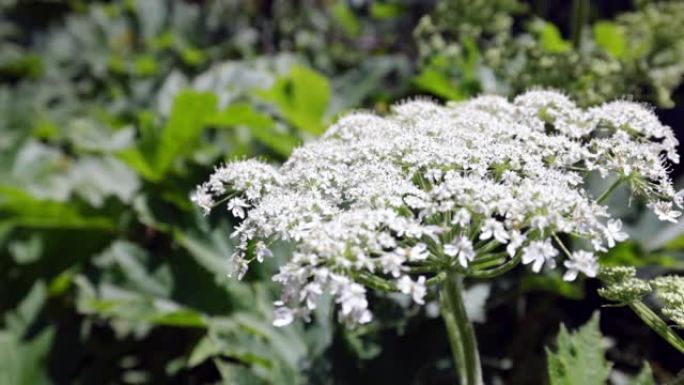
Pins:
x: 539, y: 252
x: 433, y: 174
x: 415, y: 202
x: 461, y: 217
x: 679, y: 199
x: 516, y: 241
x: 494, y: 228
x: 203, y: 199
x: 581, y: 261
x: 416, y: 289
x: 310, y: 293
x: 282, y: 316
x: 539, y: 222
x: 419, y: 252
x: 353, y: 303
x: 665, y: 212
x: 364, y: 262
x: 237, y: 207
x: 392, y: 262
x: 462, y: 249
x: 237, y: 265
x: 613, y: 232
x: 510, y: 177
x: 262, y: 251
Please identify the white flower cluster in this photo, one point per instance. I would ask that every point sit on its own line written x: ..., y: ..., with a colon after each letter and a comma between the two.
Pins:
x: 477, y: 186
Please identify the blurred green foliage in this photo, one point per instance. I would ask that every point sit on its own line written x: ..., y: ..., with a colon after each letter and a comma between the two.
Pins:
x: 112, y: 111
x: 636, y: 54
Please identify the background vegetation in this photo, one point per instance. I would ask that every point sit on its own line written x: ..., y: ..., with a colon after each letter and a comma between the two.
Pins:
x: 112, y: 111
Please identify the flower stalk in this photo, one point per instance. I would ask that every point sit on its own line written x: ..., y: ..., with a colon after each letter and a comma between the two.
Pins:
x: 657, y: 324
x: 580, y: 14
x: 460, y: 331
x: 609, y: 191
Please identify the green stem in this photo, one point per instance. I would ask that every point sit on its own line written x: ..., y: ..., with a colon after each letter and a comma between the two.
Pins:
x: 439, y: 278
x: 607, y: 193
x: 483, y: 258
x: 375, y: 282
x: 580, y: 14
x: 657, y: 324
x: 501, y: 269
x: 460, y: 331
x: 562, y: 245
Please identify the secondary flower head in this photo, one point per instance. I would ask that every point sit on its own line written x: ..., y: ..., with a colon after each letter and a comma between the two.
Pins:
x: 476, y: 186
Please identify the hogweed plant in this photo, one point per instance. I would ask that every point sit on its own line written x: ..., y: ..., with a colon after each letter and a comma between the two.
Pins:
x: 431, y: 195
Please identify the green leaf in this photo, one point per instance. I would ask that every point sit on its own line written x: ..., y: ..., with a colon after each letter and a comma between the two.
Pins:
x: 260, y: 125
x: 341, y: 12
x: 364, y: 348
x: 213, y: 256
x: 96, y: 178
x: 611, y: 37
x: 631, y: 253
x: 272, y: 355
x: 550, y: 37
x: 131, y: 262
x: 20, y: 319
x: 25, y: 362
x: 28, y: 251
x: 236, y: 374
x: 136, y: 308
x: 385, y: 11
x: 22, y: 210
x: 579, y: 357
x: 180, y: 318
x: 645, y: 376
x: 203, y: 350
x: 302, y: 98
x: 185, y: 124
x: 552, y: 283
x: 154, y: 157
x: 437, y: 83
x: 146, y: 65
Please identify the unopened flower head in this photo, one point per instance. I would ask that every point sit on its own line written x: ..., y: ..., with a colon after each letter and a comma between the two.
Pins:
x: 474, y: 186
x: 670, y: 291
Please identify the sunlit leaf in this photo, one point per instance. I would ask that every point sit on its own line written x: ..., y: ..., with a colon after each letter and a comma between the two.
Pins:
x: 260, y: 125
x: 611, y: 37
x: 302, y: 98
x: 437, y: 83
x: 176, y: 139
x: 341, y: 12
x: 550, y: 37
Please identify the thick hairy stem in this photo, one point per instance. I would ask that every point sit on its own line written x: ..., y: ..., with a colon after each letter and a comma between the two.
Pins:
x: 460, y: 330
x: 657, y: 324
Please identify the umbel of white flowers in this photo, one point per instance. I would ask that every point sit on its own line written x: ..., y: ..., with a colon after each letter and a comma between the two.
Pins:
x: 477, y: 186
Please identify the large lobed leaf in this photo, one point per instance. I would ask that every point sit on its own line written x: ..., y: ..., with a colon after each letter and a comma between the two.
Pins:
x: 579, y: 357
